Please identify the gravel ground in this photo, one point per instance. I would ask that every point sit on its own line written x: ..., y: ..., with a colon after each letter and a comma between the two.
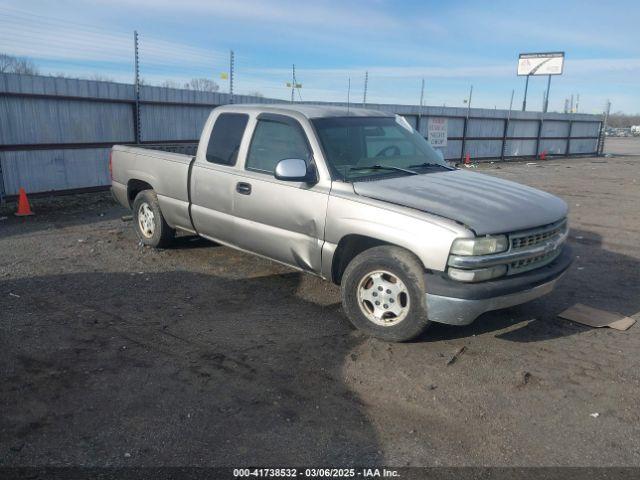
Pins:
x: 113, y: 354
x: 622, y: 145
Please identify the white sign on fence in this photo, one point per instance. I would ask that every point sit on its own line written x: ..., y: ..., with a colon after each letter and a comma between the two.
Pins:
x: 437, y: 132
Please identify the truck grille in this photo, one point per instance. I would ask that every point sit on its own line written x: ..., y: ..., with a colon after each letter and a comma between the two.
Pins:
x: 532, y: 238
x: 524, y: 240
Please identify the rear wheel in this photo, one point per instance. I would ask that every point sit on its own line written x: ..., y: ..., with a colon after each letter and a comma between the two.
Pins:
x: 383, y: 293
x: 150, y: 225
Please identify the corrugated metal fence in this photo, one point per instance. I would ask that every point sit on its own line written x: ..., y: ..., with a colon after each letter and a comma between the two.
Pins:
x: 55, y: 133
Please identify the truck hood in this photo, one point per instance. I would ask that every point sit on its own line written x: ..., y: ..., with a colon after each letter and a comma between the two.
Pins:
x: 483, y: 203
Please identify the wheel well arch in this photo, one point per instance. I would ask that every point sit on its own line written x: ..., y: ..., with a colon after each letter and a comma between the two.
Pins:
x: 134, y: 187
x: 351, y: 246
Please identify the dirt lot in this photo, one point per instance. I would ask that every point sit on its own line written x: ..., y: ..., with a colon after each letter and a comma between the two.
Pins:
x: 622, y: 145
x: 113, y: 354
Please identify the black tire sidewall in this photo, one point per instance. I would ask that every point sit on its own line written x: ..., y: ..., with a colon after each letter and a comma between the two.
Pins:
x: 402, y: 264
x: 160, y: 233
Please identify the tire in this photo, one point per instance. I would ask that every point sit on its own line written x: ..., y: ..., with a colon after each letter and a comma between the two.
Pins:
x: 148, y: 222
x: 369, y: 278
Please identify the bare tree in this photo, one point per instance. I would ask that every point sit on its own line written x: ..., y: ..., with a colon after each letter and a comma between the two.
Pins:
x: 100, y: 78
x: 12, y: 64
x: 202, y: 85
x: 621, y: 120
x: 170, y: 84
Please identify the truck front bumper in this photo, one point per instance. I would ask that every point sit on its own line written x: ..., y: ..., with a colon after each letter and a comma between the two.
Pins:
x: 457, y: 303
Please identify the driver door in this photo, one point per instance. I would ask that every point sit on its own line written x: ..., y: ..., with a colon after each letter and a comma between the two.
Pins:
x: 278, y: 219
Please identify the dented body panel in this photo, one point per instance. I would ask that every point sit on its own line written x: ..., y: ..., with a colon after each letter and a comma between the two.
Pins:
x: 467, y: 197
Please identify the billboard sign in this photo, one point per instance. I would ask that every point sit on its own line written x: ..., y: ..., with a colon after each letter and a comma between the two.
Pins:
x: 437, y: 132
x: 548, y: 63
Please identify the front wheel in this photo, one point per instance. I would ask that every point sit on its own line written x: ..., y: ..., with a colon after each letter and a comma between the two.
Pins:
x: 383, y: 293
x: 150, y: 225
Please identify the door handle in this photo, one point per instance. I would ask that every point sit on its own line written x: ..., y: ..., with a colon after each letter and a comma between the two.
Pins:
x: 243, y: 188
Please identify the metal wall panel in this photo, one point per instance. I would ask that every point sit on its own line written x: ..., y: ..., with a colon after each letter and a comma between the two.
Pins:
x: 555, y: 128
x: 43, y: 120
x: 452, y: 151
x: 172, y: 122
x: 46, y: 170
x: 484, y: 128
x: 583, y: 145
x: 483, y: 148
x: 584, y: 129
x: 554, y: 147
x: 520, y: 148
x: 523, y: 128
x: 46, y: 110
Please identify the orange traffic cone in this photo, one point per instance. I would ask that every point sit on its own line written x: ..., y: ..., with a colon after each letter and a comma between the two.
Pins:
x: 24, y: 209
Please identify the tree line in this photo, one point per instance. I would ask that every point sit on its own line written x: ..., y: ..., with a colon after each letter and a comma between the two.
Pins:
x: 623, y: 120
x: 26, y: 66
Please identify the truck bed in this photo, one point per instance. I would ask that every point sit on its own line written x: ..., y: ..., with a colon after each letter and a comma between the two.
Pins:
x: 164, y: 168
x: 181, y: 148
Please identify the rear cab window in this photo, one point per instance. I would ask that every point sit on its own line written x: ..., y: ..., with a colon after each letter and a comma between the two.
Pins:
x: 225, y: 138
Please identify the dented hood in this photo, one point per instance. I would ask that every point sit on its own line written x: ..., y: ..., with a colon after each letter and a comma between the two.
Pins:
x: 483, y: 203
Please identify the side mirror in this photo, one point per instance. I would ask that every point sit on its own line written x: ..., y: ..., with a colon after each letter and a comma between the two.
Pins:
x: 295, y: 170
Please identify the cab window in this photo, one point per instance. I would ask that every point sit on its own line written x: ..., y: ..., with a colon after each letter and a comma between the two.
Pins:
x: 225, y: 138
x: 274, y: 141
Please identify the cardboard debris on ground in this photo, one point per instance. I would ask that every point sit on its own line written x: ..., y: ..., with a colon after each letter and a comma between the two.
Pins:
x: 597, y: 318
x: 457, y: 354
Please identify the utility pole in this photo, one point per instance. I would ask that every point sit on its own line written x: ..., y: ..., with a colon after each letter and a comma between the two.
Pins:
x: 546, y: 97
x: 602, y: 137
x: 420, y: 113
x: 577, y: 102
x: 293, y: 81
x: 606, y: 112
x: 366, y: 83
x: 505, y: 132
x: 231, y: 67
x: 348, y: 93
x: 136, y: 88
x: 571, y: 105
x: 526, y: 87
x: 465, y: 125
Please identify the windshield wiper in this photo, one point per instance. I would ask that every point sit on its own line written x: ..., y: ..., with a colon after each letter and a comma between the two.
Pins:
x: 427, y: 164
x: 383, y: 167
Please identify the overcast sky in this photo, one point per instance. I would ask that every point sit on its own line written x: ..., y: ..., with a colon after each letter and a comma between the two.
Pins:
x: 451, y: 44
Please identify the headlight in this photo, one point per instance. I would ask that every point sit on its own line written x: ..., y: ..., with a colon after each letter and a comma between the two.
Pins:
x: 477, y: 275
x: 480, y: 245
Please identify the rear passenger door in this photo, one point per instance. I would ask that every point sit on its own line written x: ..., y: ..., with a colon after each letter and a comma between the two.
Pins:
x: 279, y: 219
x: 214, y: 178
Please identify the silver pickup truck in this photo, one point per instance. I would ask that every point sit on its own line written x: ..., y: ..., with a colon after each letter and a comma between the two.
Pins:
x: 356, y: 197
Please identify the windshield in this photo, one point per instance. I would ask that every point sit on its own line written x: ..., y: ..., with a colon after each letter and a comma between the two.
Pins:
x: 352, y: 144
